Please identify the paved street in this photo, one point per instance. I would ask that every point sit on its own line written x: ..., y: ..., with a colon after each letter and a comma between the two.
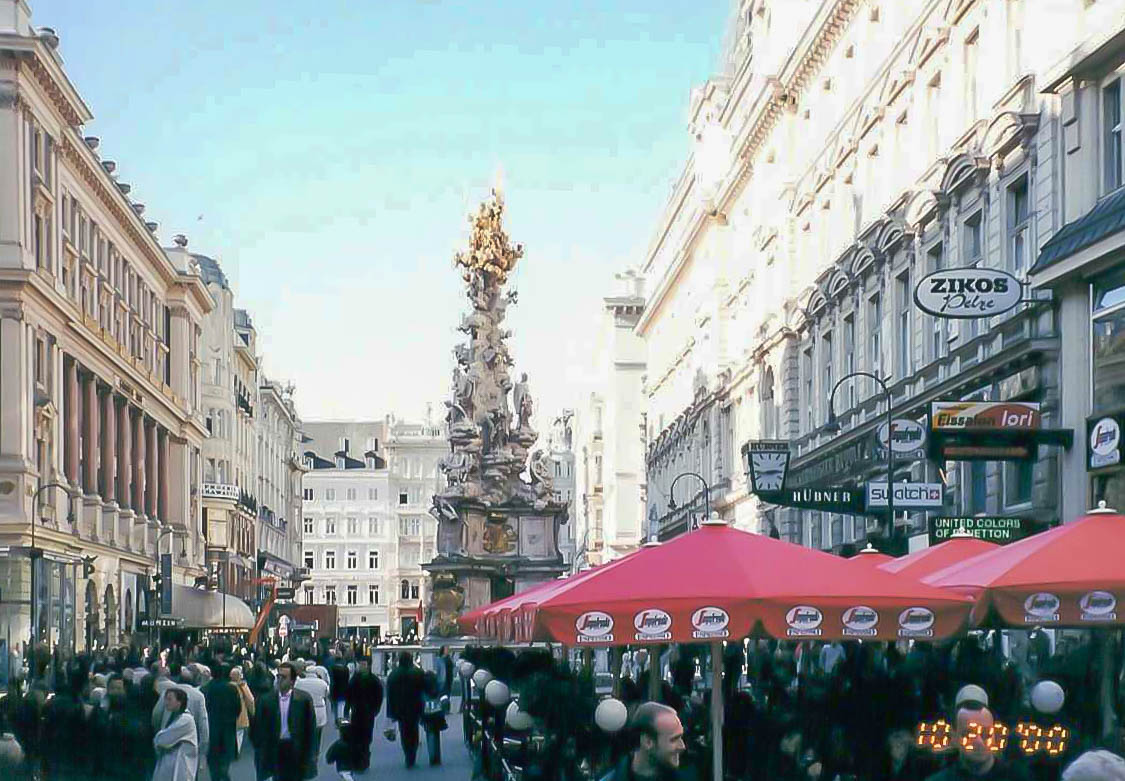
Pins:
x: 386, y: 758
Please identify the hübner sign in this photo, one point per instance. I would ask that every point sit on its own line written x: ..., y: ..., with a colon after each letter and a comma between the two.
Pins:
x: 965, y: 293
x: 906, y: 495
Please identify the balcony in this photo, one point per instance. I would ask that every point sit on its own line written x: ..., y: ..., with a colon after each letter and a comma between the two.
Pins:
x: 220, y: 491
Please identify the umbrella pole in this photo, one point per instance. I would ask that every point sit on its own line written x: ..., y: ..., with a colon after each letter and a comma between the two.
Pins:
x: 717, y: 710
x: 655, y: 667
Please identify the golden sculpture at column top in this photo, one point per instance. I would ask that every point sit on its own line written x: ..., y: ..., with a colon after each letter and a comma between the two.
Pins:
x: 489, y: 249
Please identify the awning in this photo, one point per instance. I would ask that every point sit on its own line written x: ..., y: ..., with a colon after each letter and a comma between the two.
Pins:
x: 1105, y: 219
x: 204, y: 609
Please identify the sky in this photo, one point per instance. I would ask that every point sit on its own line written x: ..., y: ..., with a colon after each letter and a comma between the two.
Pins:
x: 328, y: 155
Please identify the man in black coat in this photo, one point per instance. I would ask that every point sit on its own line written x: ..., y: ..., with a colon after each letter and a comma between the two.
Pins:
x: 406, y: 687
x: 122, y: 735
x: 223, y: 708
x: 283, y: 731
x: 338, y: 689
x: 364, y: 699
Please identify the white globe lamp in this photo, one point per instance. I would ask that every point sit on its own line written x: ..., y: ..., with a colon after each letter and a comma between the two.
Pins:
x: 517, y: 719
x: 611, y: 715
x: 1047, y: 697
x: 481, y: 678
x: 497, y: 693
x: 466, y: 668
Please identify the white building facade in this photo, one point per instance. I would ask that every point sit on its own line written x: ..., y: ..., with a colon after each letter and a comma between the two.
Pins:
x: 847, y: 149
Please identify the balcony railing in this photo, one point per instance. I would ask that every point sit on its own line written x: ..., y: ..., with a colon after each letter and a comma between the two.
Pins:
x: 220, y: 491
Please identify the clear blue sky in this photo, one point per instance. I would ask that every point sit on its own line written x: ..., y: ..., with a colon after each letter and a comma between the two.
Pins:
x: 334, y: 149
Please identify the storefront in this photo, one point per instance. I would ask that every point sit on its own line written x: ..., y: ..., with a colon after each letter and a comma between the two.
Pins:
x: 1107, y: 374
x: 52, y: 579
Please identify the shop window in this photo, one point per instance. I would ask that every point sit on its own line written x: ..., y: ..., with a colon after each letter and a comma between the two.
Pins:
x: 975, y: 495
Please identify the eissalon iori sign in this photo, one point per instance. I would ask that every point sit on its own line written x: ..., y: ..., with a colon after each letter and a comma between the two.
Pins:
x: 966, y: 293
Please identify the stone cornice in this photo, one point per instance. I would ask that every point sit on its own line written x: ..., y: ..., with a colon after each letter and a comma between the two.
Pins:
x: 47, y: 72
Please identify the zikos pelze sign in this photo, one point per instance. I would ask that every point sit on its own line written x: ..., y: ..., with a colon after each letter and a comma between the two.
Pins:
x: 965, y: 293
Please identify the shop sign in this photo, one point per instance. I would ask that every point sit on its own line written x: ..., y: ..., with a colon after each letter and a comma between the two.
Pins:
x: 594, y: 626
x: 1098, y: 606
x: 163, y: 622
x: 285, y: 592
x: 831, y: 499
x: 908, y: 440
x: 907, y: 495
x: 966, y: 293
x: 837, y: 466
x: 652, y: 624
x: 804, y: 621
x: 709, y: 623
x: 1103, y: 438
x: 1042, y: 607
x: 860, y: 621
x: 991, y: 528
x: 916, y: 622
x: 957, y: 416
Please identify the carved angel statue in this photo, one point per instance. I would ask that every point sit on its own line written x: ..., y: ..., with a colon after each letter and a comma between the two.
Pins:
x: 540, y: 470
x: 521, y: 402
x: 456, y: 467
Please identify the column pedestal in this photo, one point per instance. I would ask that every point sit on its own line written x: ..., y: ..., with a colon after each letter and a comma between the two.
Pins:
x: 125, y: 521
x: 91, y: 519
x: 109, y: 522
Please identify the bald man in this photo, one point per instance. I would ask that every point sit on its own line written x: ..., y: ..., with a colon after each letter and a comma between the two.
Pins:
x: 659, y: 737
x: 975, y: 762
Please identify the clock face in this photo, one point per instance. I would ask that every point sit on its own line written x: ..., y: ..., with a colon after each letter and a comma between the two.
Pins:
x: 769, y: 470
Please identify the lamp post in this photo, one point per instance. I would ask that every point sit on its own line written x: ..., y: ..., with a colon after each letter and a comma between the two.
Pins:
x: 36, y: 554
x: 833, y: 426
x: 706, y: 492
x: 164, y: 531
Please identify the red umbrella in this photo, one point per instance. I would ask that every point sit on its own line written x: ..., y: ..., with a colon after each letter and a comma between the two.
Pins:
x: 959, y: 547
x: 871, y: 557
x: 469, y: 621
x: 719, y: 582
x: 1070, y: 576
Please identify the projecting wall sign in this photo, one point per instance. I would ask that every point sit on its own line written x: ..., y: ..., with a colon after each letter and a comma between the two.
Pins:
x: 966, y: 293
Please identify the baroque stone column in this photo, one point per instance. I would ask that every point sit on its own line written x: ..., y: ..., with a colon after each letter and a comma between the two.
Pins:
x: 72, y: 419
x: 109, y: 447
x: 164, y: 478
x: 124, y: 465
x: 139, y: 462
x: 90, y: 414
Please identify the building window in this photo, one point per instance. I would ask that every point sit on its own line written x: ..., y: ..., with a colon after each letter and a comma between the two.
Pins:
x: 373, y: 527
x: 330, y: 595
x: 351, y: 494
x: 373, y: 595
x: 413, y: 590
x: 874, y: 327
x: 1108, y: 351
x: 373, y: 494
x: 330, y: 559
x: 310, y: 560
x: 1019, y: 476
x: 403, y: 498
x: 404, y: 589
x: 905, y: 366
x: 308, y: 596
x: 849, y: 355
x: 936, y: 257
x: 827, y: 362
x: 975, y: 496
x: 810, y: 404
x: 353, y: 527
x: 409, y: 527
x: 971, y: 239
x: 308, y: 526
x: 353, y: 595
x: 373, y: 559
x: 970, y: 74
x: 1018, y: 226
x: 329, y: 494
x: 329, y: 527
x: 1111, y: 136
x: 352, y: 559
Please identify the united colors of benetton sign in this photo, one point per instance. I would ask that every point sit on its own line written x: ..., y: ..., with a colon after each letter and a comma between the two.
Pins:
x: 965, y: 293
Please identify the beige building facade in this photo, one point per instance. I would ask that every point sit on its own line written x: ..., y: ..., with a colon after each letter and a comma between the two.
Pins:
x: 100, y: 416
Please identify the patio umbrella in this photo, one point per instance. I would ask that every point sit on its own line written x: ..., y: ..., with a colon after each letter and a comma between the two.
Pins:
x: 870, y: 557
x: 960, y: 546
x: 1070, y: 576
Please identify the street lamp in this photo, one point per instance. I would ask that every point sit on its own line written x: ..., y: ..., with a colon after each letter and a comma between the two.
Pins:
x: 706, y: 492
x: 36, y: 554
x: 833, y: 426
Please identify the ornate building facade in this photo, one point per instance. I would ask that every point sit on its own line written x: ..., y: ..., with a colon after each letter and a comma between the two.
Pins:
x: 847, y: 149
x: 101, y: 421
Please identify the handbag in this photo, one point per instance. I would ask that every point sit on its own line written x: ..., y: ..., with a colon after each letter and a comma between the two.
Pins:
x: 432, y: 708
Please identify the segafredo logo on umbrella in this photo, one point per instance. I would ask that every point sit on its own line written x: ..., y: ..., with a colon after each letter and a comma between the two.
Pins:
x: 860, y: 621
x: 916, y: 622
x: 710, y: 622
x: 1098, y: 606
x: 594, y: 626
x: 652, y: 624
x: 804, y: 621
x: 1041, y: 607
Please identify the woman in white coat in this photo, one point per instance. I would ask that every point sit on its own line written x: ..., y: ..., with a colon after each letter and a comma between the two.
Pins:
x: 177, y: 745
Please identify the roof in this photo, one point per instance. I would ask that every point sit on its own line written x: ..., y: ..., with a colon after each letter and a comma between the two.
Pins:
x: 211, y: 271
x: 1106, y: 218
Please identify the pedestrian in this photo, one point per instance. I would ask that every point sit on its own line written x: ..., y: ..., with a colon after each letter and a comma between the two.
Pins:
x: 197, y: 706
x: 344, y: 752
x: 282, y: 731
x: 1098, y: 765
x: 658, y: 746
x: 444, y: 671
x: 247, y: 711
x: 433, y: 716
x: 122, y: 736
x: 13, y: 761
x: 405, y: 691
x: 338, y: 682
x: 311, y: 684
x: 177, y: 743
x: 224, y: 705
x: 364, y: 700
x: 972, y: 721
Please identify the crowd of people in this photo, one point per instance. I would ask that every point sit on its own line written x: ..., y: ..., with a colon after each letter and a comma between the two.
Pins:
x: 135, y: 715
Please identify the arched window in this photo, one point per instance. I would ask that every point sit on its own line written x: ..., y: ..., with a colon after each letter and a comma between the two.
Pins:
x: 404, y: 589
